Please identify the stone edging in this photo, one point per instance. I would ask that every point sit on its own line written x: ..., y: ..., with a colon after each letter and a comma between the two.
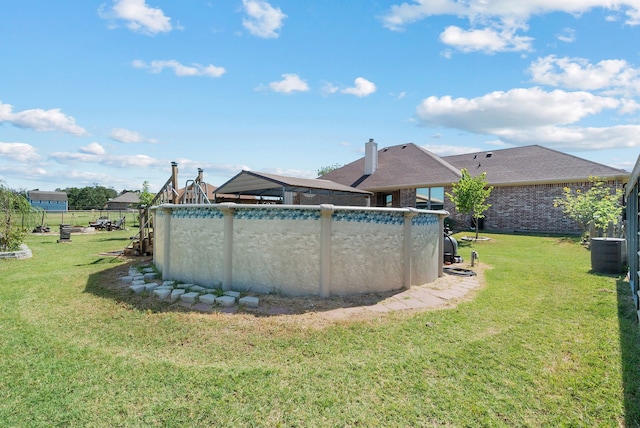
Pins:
x: 23, y: 253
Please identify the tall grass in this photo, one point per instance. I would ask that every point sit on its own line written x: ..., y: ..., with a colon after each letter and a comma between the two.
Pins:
x: 544, y: 343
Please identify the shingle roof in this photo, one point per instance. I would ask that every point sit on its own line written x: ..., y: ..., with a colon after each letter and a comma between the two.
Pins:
x: 262, y: 184
x: 401, y: 166
x: 211, y: 192
x: 41, y: 195
x: 532, y: 164
x: 127, y: 198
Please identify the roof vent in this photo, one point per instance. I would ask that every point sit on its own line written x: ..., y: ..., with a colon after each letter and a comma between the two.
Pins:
x: 489, y: 154
x: 404, y: 146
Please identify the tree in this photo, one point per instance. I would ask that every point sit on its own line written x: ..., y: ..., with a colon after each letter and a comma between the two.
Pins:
x: 599, y: 205
x: 12, y: 207
x: 90, y: 197
x: 469, y: 195
x: 327, y: 169
x: 146, y: 197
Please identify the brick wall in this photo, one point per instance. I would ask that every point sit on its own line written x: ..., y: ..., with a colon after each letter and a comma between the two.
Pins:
x: 339, y: 200
x: 408, y: 198
x: 400, y: 198
x: 523, y: 208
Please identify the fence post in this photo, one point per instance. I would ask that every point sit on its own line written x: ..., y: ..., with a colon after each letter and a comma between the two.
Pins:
x: 228, y: 210
x: 326, y: 211
x: 407, y: 247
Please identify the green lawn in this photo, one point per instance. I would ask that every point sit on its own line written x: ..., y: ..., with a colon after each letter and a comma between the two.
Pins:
x: 544, y: 343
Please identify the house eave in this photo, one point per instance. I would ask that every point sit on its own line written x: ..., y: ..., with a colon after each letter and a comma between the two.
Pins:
x: 622, y: 177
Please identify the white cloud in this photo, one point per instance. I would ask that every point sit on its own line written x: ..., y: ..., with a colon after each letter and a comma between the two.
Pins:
x: 20, y: 152
x: 288, y: 172
x: 362, y: 88
x: 329, y: 88
x: 180, y: 69
x: 93, y: 149
x: 568, y: 35
x: 403, y: 14
x: 485, y: 40
x: 533, y: 116
x: 399, y: 16
x: 138, y: 16
x: 126, y: 136
x: 211, y: 168
x: 517, y: 108
x: 614, y: 76
x: 23, y: 171
x: 118, y: 161
x: 263, y: 20
x: 445, y: 150
x: 577, y: 138
x: 94, y: 153
x: 493, y: 23
x: 41, y: 120
x: 289, y: 83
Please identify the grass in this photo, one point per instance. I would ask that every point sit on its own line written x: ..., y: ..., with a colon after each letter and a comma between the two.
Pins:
x: 76, y: 218
x: 544, y: 343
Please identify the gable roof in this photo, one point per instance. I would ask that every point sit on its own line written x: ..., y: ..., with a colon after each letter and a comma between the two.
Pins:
x: 532, y: 164
x: 262, y: 184
x: 210, y: 190
x: 41, y: 195
x: 127, y: 198
x: 401, y: 166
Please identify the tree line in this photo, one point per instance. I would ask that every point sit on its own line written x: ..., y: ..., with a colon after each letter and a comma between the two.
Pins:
x: 90, y: 197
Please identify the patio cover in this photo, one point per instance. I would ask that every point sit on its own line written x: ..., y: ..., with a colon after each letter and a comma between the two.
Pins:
x: 261, y: 184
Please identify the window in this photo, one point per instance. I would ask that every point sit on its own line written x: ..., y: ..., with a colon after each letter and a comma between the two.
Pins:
x: 430, y: 198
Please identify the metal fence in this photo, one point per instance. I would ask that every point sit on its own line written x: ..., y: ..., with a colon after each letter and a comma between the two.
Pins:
x: 78, y: 218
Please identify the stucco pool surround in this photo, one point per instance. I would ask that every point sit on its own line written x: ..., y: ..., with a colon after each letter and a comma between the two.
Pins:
x: 297, y: 250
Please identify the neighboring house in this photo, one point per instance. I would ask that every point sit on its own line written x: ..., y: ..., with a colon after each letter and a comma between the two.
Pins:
x: 48, y: 201
x: 125, y: 201
x: 526, y: 181
x: 271, y: 188
x: 194, y: 193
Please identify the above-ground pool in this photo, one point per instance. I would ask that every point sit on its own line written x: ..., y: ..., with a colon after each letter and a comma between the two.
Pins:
x: 297, y: 250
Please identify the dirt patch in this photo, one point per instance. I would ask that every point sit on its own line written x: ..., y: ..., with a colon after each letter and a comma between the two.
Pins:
x: 312, y: 312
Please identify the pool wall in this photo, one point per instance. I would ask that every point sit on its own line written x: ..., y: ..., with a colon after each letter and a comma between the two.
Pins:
x: 297, y: 250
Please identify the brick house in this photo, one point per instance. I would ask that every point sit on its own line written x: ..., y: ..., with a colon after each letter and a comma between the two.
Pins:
x: 526, y: 180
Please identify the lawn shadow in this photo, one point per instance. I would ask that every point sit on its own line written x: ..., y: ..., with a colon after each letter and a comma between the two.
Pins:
x: 630, y: 353
x: 108, y: 284
x: 114, y: 238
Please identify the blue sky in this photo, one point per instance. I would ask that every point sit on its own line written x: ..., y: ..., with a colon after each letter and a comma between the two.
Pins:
x: 110, y: 92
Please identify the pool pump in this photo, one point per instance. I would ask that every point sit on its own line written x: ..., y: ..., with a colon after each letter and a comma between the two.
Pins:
x: 450, y: 248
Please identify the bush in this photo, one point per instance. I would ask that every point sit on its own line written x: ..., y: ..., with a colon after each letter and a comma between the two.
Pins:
x: 598, y: 206
x: 12, y: 207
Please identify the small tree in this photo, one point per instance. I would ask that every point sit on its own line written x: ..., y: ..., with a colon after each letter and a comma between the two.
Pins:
x: 12, y: 207
x: 146, y: 197
x: 599, y: 205
x: 327, y: 169
x: 469, y: 195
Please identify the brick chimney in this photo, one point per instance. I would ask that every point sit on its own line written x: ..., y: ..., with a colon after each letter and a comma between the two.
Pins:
x: 370, y: 157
